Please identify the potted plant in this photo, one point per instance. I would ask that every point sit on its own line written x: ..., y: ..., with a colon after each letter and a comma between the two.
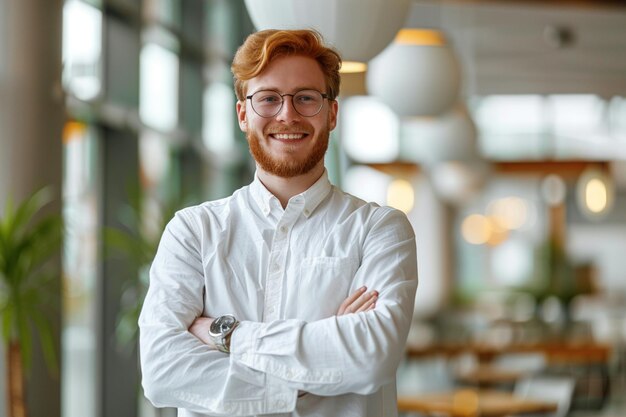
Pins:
x: 29, y: 240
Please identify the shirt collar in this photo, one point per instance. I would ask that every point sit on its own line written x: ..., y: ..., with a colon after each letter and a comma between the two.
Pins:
x: 312, y: 197
x: 261, y: 195
x: 315, y: 194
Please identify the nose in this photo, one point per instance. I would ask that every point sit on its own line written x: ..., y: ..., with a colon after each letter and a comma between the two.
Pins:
x: 287, y: 113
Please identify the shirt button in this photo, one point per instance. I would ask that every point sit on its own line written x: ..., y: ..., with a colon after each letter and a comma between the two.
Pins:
x: 289, y: 374
x: 306, y: 212
x: 270, y: 310
x: 280, y: 403
x: 283, y: 229
x: 275, y: 267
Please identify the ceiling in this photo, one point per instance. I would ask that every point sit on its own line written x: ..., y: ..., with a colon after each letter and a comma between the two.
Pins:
x: 565, y: 47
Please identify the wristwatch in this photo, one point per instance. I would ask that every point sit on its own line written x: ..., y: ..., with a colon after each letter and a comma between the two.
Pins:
x: 221, y: 330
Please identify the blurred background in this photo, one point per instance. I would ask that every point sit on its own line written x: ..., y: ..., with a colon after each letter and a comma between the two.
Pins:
x: 498, y: 127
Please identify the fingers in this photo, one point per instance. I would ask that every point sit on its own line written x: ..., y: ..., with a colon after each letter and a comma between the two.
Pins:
x: 200, y: 329
x: 370, y: 303
x: 359, y: 301
x: 351, y: 299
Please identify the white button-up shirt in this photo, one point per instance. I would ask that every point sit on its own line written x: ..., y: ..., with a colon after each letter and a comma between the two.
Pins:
x: 284, y: 274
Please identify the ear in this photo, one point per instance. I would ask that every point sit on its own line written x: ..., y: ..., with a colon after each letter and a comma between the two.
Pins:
x: 332, y: 115
x: 242, y: 116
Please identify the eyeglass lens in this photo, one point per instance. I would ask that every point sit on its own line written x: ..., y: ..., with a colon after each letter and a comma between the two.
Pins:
x: 268, y: 103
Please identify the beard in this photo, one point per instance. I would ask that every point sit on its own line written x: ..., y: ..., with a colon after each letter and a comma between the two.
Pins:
x: 289, y: 166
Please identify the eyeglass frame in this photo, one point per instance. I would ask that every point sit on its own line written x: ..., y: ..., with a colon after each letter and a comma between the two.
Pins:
x: 282, y: 101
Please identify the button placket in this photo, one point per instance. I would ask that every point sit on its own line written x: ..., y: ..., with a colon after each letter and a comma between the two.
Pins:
x: 273, y: 291
x: 277, y: 267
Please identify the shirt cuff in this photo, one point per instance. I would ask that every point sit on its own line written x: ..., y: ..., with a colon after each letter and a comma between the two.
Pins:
x: 243, y: 338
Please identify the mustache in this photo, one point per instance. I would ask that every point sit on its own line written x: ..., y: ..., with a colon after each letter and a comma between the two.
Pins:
x: 271, y: 130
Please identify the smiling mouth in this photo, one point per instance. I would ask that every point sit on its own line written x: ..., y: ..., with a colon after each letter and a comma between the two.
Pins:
x: 288, y: 136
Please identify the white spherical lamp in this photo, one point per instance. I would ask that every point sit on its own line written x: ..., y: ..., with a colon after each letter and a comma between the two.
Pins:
x: 359, y: 29
x: 416, y: 75
x: 449, y: 137
x: 457, y: 182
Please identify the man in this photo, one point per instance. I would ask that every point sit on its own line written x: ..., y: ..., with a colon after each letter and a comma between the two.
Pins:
x: 258, y: 303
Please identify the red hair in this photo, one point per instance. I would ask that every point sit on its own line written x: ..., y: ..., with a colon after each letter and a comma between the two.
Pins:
x: 263, y: 47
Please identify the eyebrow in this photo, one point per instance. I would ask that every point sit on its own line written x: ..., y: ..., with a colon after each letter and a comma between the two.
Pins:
x: 293, y: 91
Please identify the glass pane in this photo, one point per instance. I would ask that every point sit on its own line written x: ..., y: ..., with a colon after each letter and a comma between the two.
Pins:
x: 617, y: 118
x: 511, y: 114
x: 576, y: 115
x: 164, y: 11
x: 158, y: 105
x: 219, y: 121
x: 193, y: 14
x: 80, y: 212
x: 191, y: 96
x: 82, y: 49
x: 222, y: 25
x: 512, y: 127
x: 121, y: 65
x: 154, y: 159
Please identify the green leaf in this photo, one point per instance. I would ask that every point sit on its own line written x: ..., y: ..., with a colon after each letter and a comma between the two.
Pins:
x: 5, y: 225
x: 44, y: 327
x: 26, y: 211
x: 28, y: 240
x: 41, y: 245
x: 125, y: 243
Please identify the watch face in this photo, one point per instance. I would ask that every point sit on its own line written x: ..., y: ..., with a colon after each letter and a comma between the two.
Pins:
x: 223, y: 324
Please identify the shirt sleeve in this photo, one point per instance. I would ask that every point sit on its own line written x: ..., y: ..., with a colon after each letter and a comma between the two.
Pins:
x: 354, y: 353
x: 270, y: 362
x: 178, y: 370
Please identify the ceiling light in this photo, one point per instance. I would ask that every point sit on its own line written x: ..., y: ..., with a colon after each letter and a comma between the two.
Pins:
x: 417, y: 75
x: 595, y: 193
x: 359, y: 29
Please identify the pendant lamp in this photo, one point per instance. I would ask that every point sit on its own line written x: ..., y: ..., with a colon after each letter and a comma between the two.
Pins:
x: 458, y: 182
x: 416, y: 75
x: 430, y: 140
x: 359, y: 29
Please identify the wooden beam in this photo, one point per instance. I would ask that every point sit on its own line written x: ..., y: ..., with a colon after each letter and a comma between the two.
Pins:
x: 581, y: 4
x: 565, y: 169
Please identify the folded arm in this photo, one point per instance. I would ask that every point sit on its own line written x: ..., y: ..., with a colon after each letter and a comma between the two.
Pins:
x: 271, y: 362
x: 353, y: 353
x: 360, y: 301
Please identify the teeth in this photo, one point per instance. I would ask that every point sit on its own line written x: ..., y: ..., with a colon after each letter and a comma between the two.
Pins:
x: 287, y: 136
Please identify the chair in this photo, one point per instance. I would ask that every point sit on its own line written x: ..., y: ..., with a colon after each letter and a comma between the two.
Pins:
x: 548, y: 388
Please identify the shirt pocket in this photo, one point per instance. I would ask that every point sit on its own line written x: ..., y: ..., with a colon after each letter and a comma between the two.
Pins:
x: 323, y: 285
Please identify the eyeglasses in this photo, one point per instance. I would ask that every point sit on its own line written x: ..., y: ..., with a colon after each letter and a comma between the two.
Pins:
x: 268, y: 103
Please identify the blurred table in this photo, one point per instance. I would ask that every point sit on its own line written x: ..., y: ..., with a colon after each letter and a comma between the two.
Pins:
x: 555, y: 352
x: 489, y: 375
x: 473, y: 403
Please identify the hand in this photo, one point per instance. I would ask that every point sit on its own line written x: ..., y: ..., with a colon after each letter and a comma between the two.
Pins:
x: 359, y: 301
x: 200, y: 328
